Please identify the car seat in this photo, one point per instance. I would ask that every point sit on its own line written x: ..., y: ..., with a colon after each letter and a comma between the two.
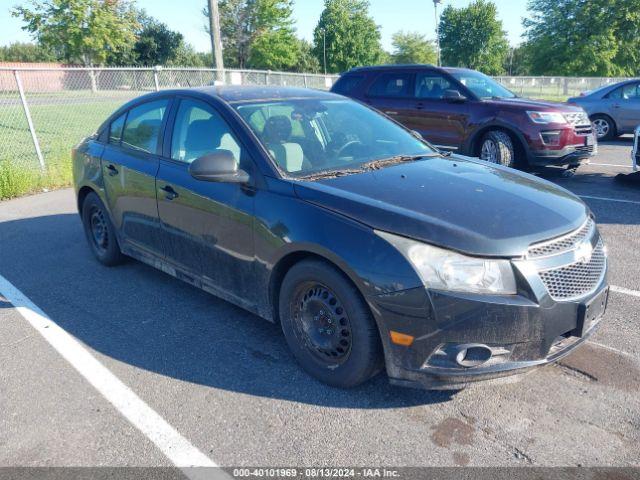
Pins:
x: 276, y: 134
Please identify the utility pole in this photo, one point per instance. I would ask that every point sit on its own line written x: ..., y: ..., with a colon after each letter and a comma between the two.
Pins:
x: 324, y: 49
x: 216, y: 40
x: 435, y: 5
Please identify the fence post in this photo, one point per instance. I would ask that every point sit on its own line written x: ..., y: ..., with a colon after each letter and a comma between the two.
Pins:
x: 305, y: 81
x: 155, y: 77
x: 27, y: 113
x: 94, y: 83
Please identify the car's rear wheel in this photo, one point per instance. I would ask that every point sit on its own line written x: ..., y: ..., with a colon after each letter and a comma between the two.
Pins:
x: 604, y: 127
x: 328, y: 326
x: 100, y: 231
x: 497, y: 147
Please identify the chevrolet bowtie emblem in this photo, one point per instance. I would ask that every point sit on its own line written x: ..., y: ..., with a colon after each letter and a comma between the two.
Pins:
x: 584, y: 252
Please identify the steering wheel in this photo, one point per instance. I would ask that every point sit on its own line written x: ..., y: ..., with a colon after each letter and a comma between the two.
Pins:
x: 347, y: 145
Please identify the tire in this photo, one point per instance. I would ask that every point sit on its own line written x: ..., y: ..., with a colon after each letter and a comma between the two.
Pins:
x: 328, y: 326
x: 604, y: 127
x: 497, y: 147
x: 100, y: 232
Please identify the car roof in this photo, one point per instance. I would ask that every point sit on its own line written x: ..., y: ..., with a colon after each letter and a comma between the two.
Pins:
x: 246, y: 93
x: 372, y: 68
x: 413, y: 66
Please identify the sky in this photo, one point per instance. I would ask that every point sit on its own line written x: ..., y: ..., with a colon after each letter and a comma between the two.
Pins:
x: 391, y: 15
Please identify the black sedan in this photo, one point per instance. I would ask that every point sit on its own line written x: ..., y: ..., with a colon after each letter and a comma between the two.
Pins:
x: 371, y: 248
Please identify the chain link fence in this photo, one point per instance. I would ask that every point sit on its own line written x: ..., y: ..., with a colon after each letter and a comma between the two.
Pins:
x: 554, y: 88
x: 45, y: 111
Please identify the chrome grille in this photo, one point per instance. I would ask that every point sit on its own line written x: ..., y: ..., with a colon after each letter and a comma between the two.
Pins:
x: 583, y: 130
x: 564, y: 243
x: 577, y: 118
x: 578, y: 279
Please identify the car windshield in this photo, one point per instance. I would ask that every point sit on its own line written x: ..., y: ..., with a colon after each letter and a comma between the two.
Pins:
x: 311, y: 137
x: 481, y: 85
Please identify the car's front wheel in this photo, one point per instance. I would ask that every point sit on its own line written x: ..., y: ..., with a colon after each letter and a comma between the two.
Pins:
x: 497, y: 147
x: 328, y: 326
x: 100, y: 231
x: 604, y: 127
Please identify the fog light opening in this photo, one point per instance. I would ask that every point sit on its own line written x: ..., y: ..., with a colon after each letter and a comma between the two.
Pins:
x: 469, y: 356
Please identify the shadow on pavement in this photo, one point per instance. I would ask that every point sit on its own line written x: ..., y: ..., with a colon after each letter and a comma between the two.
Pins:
x: 142, y: 317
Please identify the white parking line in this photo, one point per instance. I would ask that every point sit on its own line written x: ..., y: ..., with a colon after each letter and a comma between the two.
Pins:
x: 608, y: 199
x: 625, y: 291
x: 176, y: 448
x: 610, y: 165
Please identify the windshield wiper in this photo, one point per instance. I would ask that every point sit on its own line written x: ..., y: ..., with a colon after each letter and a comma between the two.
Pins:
x: 331, y: 173
x: 385, y: 162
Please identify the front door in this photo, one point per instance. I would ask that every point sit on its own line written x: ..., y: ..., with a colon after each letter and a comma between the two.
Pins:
x: 129, y: 166
x: 440, y: 121
x: 207, y: 227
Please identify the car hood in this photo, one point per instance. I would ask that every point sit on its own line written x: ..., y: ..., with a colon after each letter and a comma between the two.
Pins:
x: 529, y: 104
x: 458, y: 203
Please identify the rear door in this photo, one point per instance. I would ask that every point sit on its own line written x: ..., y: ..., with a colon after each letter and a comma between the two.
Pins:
x: 440, y: 121
x: 129, y: 165
x: 207, y: 227
x: 391, y: 93
x: 625, y: 106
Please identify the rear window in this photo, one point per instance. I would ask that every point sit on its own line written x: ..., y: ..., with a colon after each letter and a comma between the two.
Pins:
x: 392, y: 85
x: 347, y: 84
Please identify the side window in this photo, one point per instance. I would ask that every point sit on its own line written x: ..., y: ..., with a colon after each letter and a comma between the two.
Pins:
x: 347, y: 83
x: 626, y: 92
x: 142, y: 128
x: 200, y: 130
x: 432, y: 86
x: 115, y: 129
x: 392, y: 85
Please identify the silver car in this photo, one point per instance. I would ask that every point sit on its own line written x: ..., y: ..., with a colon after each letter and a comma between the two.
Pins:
x: 613, y: 109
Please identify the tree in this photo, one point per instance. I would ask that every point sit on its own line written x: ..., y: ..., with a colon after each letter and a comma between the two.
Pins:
x: 473, y: 37
x: 412, y: 47
x: 307, y: 62
x: 518, y: 62
x: 26, y: 52
x: 157, y: 44
x: 579, y: 37
x: 352, y: 37
x: 80, y: 31
x: 249, y: 24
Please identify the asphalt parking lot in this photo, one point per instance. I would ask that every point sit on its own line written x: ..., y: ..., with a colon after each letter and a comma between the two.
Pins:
x: 199, y: 381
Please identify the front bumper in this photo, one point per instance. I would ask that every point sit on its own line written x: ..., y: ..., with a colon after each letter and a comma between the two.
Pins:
x: 528, y: 332
x: 572, y: 149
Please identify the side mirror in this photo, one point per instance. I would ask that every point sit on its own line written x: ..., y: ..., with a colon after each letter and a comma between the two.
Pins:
x: 454, y: 96
x: 219, y: 166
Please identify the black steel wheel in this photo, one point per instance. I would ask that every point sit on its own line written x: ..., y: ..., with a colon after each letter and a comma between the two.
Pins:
x: 321, y: 323
x: 100, y: 232
x: 328, y: 326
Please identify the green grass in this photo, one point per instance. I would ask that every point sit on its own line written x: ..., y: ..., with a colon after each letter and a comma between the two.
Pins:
x: 60, y: 124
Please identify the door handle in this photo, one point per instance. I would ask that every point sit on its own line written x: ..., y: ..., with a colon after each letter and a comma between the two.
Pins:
x: 617, y: 105
x: 170, y: 193
x: 391, y: 113
x: 420, y: 106
x: 113, y: 171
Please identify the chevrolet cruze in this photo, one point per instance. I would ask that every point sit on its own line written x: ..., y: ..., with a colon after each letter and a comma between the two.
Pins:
x: 369, y: 247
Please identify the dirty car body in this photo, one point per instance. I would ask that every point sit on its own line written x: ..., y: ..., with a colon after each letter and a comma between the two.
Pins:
x: 483, y: 271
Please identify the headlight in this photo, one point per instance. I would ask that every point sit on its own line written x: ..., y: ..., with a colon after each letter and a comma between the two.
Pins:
x: 547, y: 117
x: 442, y: 269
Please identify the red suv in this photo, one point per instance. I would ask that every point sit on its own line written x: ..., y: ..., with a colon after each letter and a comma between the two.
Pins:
x: 470, y: 113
